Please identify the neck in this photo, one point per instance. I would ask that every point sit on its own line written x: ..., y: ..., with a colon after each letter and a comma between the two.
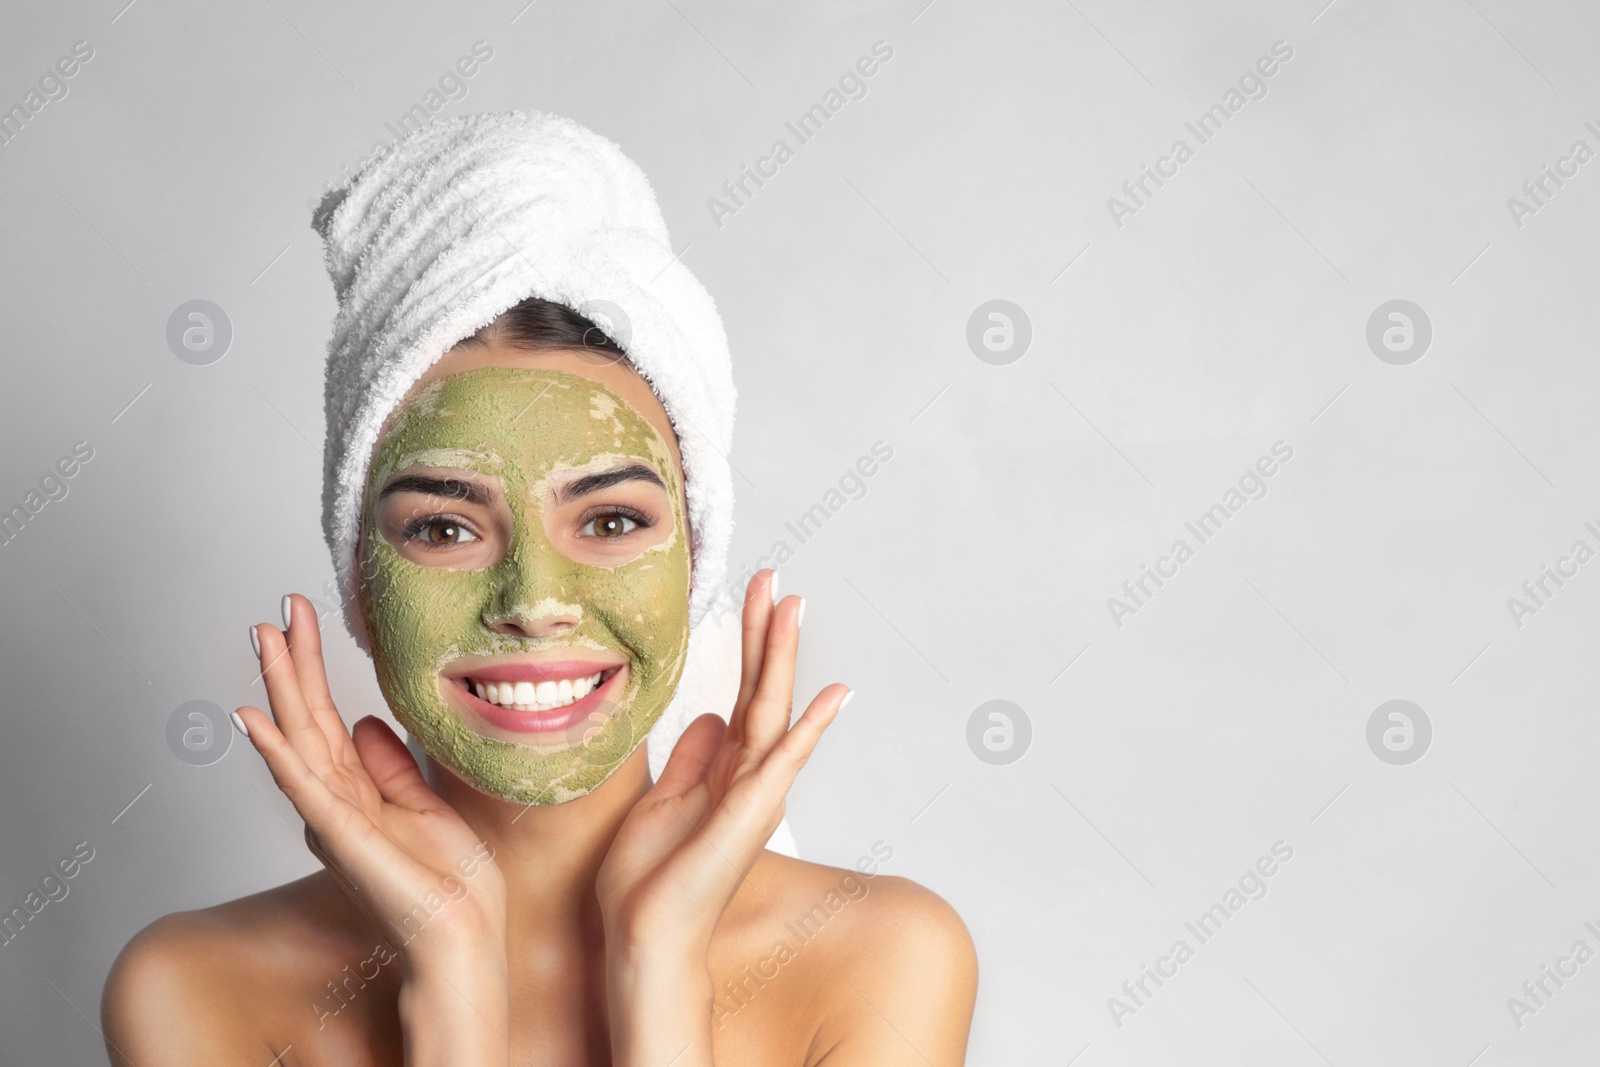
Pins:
x: 550, y: 854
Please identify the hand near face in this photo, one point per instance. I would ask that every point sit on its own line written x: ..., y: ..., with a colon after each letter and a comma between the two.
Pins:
x: 685, y: 847
x: 405, y: 855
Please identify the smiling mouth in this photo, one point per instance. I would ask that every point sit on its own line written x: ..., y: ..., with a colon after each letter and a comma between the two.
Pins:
x: 535, y: 696
x: 538, y: 698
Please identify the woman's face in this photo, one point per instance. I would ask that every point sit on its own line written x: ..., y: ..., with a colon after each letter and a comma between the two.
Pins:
x: 525, y: 568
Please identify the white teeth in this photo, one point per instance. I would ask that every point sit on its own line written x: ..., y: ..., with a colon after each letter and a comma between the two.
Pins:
x: 541, y: 696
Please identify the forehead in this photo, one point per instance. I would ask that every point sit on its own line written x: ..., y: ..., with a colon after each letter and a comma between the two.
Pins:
x: 537, y: 418
x: 617, y: 375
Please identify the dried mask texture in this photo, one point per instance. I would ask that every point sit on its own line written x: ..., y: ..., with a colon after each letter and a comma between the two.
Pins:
x: 522, y: 426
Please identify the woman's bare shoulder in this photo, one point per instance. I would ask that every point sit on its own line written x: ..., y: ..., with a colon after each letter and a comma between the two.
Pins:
x: 887, y: 910
x: 242, y: 951
x: 889, y: 965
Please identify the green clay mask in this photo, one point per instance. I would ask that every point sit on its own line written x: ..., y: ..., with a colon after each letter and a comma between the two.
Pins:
x: 450, y: 583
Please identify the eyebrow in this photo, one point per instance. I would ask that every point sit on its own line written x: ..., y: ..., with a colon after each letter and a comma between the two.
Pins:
x: 473, y: 493
x: 455, y: 488
x: 593, y: 483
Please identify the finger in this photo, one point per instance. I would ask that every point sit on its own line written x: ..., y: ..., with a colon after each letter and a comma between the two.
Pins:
x: 778, y: 771
x: 305, y: 649
x: 759, y: 604
x: 740, y: 826
x: 391, y: 766
x: 768, y: 715
x: 339, y: 826
x: 289, y: 709
x: 692, y: 755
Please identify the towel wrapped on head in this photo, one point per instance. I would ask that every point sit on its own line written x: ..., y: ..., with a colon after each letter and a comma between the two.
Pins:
x: 448, y: 227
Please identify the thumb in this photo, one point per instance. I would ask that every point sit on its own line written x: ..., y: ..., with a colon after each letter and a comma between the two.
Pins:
x: 692, y: 755
x: 391, y: 766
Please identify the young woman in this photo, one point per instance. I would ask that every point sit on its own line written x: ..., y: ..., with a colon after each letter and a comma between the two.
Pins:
x: 525, y: 563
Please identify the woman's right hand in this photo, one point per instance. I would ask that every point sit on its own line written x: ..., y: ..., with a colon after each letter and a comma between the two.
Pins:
x: 396, y: 847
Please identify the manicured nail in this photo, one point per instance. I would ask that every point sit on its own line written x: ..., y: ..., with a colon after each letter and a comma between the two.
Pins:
x: 288, y: 610
x: 774, y: 586
x: 255, y: 642
x: 846, y: 699
x: 800, y: 618
x: 243, y: 729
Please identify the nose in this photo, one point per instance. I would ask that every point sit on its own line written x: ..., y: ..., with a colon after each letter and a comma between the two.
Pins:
x: 535, y: 592
x: 524, y: 622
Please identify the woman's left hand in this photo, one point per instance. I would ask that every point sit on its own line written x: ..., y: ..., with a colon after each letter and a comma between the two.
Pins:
x: 687, y: 845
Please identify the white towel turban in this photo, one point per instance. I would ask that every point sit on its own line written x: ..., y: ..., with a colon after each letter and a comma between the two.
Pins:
x: 442, y: 231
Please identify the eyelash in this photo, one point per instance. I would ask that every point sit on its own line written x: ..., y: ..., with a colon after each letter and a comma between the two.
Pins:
x: 415, y: 527
x: 640, y: 520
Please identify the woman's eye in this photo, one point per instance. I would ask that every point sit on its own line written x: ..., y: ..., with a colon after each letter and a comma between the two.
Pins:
x: 611, y: 525
x: 440, y: 533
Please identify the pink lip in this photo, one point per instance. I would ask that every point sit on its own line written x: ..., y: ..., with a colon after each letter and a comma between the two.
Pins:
x: 556, y: 720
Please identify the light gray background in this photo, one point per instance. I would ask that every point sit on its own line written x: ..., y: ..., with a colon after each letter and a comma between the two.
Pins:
x: 1228, y: 313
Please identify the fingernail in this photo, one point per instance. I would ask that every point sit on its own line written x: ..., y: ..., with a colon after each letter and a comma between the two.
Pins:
x: 800, y: 618
x: 846, y: 699
x: 255, y: 642
x: 288, y: 609
x: 774, y: 586
x: 243, y: 729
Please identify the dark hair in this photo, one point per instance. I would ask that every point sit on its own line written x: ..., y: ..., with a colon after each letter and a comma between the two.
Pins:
x: 538, y: 323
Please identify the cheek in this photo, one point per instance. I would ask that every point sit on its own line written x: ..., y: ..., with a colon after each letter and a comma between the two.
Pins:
x: 645, y: 603
x: 416, y: 613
